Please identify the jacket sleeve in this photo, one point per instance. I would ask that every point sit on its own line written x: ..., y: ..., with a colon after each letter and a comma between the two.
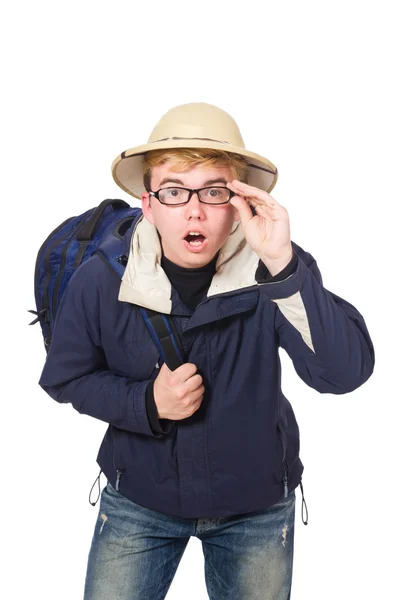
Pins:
x: 262, y: 274
x: 325, y: 336
x: 76, y: 370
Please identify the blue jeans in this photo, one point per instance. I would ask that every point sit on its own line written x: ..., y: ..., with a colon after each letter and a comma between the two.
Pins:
x: 136, y: 551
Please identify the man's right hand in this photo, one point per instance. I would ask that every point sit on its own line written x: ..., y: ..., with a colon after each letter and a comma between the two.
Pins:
x: 178, y: 394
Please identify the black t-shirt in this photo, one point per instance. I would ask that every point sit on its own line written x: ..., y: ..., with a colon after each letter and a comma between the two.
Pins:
x: 191, y: 284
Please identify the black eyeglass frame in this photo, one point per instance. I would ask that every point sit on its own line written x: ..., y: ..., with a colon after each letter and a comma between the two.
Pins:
x: 191, y: 192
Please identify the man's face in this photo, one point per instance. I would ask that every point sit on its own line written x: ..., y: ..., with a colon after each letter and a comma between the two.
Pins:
x: 174, y: 223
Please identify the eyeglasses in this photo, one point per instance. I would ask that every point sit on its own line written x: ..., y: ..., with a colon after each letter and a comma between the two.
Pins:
x: 176, y: 196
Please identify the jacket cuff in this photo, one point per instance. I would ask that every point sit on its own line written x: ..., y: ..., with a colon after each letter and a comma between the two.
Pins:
x: 289, y: 286
x: 262, y: 274
x: 157, y: 425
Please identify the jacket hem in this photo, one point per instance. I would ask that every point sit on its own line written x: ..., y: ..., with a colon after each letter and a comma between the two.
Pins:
x: 148, y: 499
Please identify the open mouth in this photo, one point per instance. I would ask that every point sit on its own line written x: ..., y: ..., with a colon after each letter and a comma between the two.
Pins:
x: 195, y: 241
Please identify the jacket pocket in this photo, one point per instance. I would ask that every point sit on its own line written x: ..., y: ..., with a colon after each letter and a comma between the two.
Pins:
x: 284, y: 461
x: 119, y: 444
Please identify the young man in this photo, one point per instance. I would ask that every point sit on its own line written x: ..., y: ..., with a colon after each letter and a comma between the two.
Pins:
x: 210, y: 449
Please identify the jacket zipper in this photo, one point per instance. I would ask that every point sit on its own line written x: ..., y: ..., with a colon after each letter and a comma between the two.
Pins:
x: 285, y: 480
x: 285, y: 465
x: 119, y: 472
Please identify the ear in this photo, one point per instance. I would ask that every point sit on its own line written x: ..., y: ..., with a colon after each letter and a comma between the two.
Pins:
x: 146, y: 208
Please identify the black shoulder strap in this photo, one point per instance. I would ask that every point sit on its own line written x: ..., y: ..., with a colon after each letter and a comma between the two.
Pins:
x: 165, y: 336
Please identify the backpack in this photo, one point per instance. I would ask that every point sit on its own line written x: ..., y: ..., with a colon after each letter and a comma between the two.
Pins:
x: 99, y: 230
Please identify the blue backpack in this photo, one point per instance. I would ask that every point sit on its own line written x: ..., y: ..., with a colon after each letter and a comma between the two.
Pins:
x: 99, y: 230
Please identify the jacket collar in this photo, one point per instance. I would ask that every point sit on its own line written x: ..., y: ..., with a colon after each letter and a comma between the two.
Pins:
x: 145, y: 283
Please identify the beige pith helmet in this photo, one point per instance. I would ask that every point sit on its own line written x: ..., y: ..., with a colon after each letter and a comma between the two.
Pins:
x: 195, y: 125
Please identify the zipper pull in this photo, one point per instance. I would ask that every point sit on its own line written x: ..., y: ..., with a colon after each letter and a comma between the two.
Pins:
x: 285, y: 479
x: 304, y: 503
x: 99, y: 489
x: 119, y: 474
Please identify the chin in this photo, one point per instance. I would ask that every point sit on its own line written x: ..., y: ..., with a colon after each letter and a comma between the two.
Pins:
x: 200, y: 261
x: 191, y: 261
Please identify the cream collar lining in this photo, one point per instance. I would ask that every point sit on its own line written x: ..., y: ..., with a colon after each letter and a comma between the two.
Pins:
x: 145, y: 283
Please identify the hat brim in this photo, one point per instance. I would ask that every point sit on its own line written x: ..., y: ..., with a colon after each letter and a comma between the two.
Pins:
x: 127, y: 168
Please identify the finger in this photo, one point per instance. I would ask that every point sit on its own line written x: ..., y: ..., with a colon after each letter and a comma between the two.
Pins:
x: 185, y: 371
x: 260, y: 209
x: 244, y: 210
x: 264, y: 211
x: 250, y: 191
x: 194, y: 382
x: 197, y: 394
x: 165, y: 369
x: 254, y: 202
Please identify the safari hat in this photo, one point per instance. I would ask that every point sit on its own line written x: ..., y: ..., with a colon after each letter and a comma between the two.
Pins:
x: 195, y: 125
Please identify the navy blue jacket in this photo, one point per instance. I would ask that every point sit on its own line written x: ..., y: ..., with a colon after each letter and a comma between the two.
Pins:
x: 239, y: 452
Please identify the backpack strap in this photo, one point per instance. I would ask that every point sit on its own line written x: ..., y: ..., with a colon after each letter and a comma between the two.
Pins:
x: 87, y: 231
x: 164, y: 336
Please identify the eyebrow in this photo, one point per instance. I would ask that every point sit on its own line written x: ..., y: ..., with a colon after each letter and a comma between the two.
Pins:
x: 208, y: 182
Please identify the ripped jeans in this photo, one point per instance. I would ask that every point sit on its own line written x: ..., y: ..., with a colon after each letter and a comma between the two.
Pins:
x: 135, y: 552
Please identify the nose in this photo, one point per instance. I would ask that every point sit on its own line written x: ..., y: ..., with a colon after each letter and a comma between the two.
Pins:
x: 194, y: 208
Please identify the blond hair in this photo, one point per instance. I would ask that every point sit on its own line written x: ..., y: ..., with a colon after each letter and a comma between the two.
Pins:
x: 184, y: 159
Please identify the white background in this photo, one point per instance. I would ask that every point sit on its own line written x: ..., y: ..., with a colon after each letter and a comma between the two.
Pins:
x: 312, y: 87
